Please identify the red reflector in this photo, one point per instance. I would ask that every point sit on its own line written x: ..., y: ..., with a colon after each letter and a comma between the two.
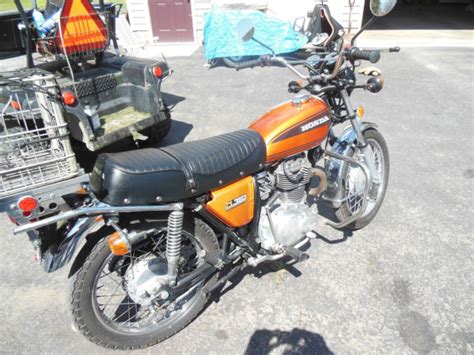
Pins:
x: 16, y: 105
x: 69, y: 99
x: 157, y: 72
x: 27, y: 204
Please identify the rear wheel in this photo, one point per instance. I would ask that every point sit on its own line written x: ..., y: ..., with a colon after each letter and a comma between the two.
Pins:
x: 112, y: 304
x: 354, y: 182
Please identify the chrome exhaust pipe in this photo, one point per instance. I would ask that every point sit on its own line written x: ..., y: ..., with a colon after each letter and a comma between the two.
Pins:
x: 323, y: 182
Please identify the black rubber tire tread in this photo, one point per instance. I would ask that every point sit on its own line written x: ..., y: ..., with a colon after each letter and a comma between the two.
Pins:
x: 157, y: 132
x: 342, y: 212
x: 80, y: 293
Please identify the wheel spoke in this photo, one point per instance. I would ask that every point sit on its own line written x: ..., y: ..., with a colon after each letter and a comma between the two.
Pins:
x: 110, y: 298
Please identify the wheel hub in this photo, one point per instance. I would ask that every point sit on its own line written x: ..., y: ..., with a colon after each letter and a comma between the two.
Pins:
x: 147, y: 280
x: 356, y: 181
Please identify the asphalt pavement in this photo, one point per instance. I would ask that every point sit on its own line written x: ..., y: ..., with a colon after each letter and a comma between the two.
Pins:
x: 402, y: 285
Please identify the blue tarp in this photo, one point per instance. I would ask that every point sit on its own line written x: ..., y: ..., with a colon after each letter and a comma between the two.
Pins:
x: 221, y: 39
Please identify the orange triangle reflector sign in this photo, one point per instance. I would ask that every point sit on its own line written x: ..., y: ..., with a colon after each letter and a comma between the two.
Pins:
x: 82, y: 29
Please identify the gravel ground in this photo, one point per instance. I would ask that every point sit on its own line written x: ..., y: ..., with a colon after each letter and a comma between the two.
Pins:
x: 402, y: 285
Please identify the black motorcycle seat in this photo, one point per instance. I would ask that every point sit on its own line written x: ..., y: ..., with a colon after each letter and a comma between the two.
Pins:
x: 176, y: 172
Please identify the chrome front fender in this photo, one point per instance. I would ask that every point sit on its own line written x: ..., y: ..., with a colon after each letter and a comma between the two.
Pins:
x: 335, y: 167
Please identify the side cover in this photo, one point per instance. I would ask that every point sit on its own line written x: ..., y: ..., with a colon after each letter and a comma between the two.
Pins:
x: 234, y: 204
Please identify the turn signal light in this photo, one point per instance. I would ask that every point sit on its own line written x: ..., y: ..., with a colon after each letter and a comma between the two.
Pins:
x: 27, y: 204
x: 157, y: 71
x: 118, y: 244
x: 69, y: 99
x: 360, y: 111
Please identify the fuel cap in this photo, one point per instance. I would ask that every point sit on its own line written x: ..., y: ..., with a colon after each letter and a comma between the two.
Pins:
x: 300, y: 99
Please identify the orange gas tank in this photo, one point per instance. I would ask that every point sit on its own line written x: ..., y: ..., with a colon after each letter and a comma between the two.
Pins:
x: 293, y: 127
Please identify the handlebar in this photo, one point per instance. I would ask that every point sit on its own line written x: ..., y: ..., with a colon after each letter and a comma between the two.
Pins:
x: 289, y: 66
x: 352, y: 54
x: 249, y: 64
x: 355, y: 53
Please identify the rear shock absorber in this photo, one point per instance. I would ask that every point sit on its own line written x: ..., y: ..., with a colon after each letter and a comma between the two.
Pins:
x: 173, y: 244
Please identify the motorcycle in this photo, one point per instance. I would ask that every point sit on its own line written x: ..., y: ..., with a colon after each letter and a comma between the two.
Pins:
x: 165, y: 228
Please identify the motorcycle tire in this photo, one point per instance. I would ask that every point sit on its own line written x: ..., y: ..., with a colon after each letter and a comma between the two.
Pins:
x: 375, y: 139
x: 90, y: 319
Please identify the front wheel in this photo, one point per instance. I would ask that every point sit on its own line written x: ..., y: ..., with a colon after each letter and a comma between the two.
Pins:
x: 354, y: 182
x: 125, y: 302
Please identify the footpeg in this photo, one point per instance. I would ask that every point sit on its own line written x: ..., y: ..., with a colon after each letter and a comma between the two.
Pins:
x: 296, y: 254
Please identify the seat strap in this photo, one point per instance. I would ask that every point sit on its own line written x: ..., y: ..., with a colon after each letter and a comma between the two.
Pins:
x: 190, y: 182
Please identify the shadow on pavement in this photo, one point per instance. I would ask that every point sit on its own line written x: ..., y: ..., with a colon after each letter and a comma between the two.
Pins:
x: 179, y: 131
x: 286, y: 263
x: 171, y: 99
x: 296, y: 341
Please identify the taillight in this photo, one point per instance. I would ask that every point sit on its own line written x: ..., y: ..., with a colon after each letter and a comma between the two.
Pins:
x: 118, y: 244
x: 27, y: 204
x: 157, y: 71
x: 69, y: 99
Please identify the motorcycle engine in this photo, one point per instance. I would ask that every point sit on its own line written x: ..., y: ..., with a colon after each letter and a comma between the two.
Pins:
x: 286, y: 217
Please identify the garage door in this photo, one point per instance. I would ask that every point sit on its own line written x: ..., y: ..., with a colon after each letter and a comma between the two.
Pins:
x: 171, y: 20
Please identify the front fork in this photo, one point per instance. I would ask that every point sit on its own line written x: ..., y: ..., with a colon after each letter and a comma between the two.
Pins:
x: 361, y: 143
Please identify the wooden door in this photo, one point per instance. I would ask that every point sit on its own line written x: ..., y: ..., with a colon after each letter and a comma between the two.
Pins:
x: 171, y: 20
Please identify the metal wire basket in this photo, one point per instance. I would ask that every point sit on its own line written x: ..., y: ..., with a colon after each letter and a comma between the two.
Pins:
x: 34, y: 143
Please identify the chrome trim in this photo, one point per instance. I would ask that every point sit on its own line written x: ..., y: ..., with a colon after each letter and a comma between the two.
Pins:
x: 254, y: 261
x: 366, y: 172
x: 334, y: 167
x: 289, y: 66
x: 96, y: 210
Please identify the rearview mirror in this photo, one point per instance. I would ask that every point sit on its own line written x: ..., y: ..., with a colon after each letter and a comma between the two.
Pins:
x: 382, y: 7
x: 245, y: 29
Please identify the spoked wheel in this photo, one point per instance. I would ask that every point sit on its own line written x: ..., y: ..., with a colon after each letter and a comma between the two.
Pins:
x: 354, y: 183
x: 126, y: 302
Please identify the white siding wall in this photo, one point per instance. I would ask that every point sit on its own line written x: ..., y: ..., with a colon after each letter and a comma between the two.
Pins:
x: 199, y: 8
x: 140, y: 22
x: 288, y: 10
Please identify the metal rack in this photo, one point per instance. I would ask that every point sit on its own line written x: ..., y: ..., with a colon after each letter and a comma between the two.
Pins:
x: 34, y: 141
